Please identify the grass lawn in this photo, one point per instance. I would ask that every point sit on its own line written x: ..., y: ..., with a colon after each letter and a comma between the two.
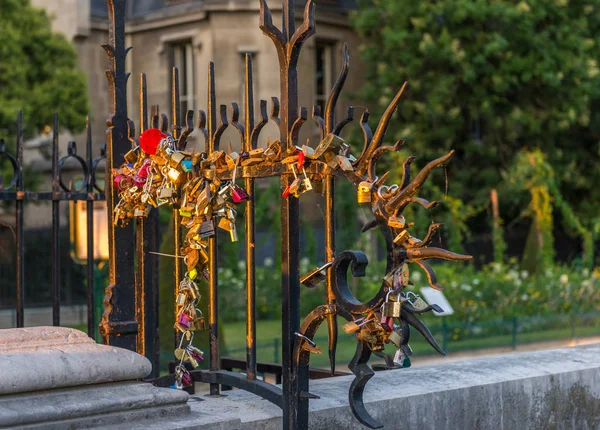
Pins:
x: 269, y: 341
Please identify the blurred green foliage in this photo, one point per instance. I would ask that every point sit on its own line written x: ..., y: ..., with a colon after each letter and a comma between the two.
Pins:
x: 38, y: 73
x: 490, y: 79
x: 496, y: 291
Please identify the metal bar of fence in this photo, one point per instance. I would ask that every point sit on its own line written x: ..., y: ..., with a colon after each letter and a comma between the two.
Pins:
x: 213, y: 280
x: 175, y: 106
x: 20, y: 268
x: 21, y: 196
x: 91, y: 317
x: 250, y: 230
x: 55, y: 227
x: 148, y: 235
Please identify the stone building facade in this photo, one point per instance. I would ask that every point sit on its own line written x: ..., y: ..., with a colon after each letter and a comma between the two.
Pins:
x: 190, y: 33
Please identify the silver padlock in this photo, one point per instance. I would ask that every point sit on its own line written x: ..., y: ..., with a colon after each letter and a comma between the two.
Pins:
x: 395, y: 338
x: 417, y: 302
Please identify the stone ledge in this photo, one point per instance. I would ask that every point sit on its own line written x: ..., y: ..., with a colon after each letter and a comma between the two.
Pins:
x: 118, y: 404
x: 44, y: 358
x: 535, y: 390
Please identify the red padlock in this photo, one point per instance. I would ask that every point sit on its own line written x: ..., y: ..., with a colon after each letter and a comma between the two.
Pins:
x: 286, y: 192
x: 186, y: 378
x: 387, y: 323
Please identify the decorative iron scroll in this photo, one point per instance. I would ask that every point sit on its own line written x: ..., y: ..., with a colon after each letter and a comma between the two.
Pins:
x: 202, y: 190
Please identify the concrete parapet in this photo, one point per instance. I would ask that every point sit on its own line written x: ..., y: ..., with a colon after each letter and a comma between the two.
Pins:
x: 554, y: 389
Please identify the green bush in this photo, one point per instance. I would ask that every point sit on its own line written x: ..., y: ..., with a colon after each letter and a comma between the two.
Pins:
x: 496, y: 291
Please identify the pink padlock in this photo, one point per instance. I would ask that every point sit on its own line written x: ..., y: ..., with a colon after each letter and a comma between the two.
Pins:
x: 122, y: 182
x: 143, y: 172
x: 238, y: 195
x: 139, y: 181
x: 195, y: 353
x: 184, y: 320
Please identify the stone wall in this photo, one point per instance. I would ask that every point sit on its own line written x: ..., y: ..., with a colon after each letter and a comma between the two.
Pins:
x: 554, y: 389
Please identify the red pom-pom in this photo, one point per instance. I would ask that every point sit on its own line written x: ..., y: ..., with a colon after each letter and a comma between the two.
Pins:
x: 150, y: 139
x: 300, y: 160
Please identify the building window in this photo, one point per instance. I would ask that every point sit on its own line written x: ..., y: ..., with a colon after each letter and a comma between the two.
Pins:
x: 183, y: 59
x: 323, y: 72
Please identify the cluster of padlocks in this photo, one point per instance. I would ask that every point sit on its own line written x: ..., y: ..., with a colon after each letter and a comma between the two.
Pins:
x: 377, y: 327
x: 156, y: 173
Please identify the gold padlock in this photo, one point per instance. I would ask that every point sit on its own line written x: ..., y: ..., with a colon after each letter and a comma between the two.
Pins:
x: 131, y: 156
x: 176, y: 158
x: 351, y: 327
x: 391, y: 309
x: 401, y: 237
x: 174, y: 174
x: 397, y: 222
x: 192, y: 361
x: 364, y: 192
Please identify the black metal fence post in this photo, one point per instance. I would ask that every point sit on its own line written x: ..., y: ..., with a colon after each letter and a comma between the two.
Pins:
x: 119, y: 326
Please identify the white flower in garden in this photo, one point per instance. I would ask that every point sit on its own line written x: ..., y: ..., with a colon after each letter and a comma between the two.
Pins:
x: 564, y: 279
x: 466, y: 287
x: 585, y: 272
x: 454, y: 284
x: 478, y: 294
x: 268, y: 262
x: 497, y: 267
x: 476, y: 281
x: 416, y: 276
x: 524, y: 274
x: 241, y: 264
x: 304, y: 263
x: 586, y: 283
x: 524, y: 297
x: 548, y: 272
x: 518, y: 283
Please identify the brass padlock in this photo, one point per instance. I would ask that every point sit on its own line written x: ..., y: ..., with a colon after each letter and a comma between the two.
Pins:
x: 351, y: 327
x: 174, y: 174
x: 364, y: 192
x: 198, y: 323
x: 391, y: 309
x: 396, y: 222
x: 401, y: 237
x: 316, y: 276
x: 175, y: 159
x: 132, y: 155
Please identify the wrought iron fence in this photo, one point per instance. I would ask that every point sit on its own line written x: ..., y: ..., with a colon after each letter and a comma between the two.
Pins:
x: 130, y: 316
x: 90, y: 190
x: 129, y: 319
